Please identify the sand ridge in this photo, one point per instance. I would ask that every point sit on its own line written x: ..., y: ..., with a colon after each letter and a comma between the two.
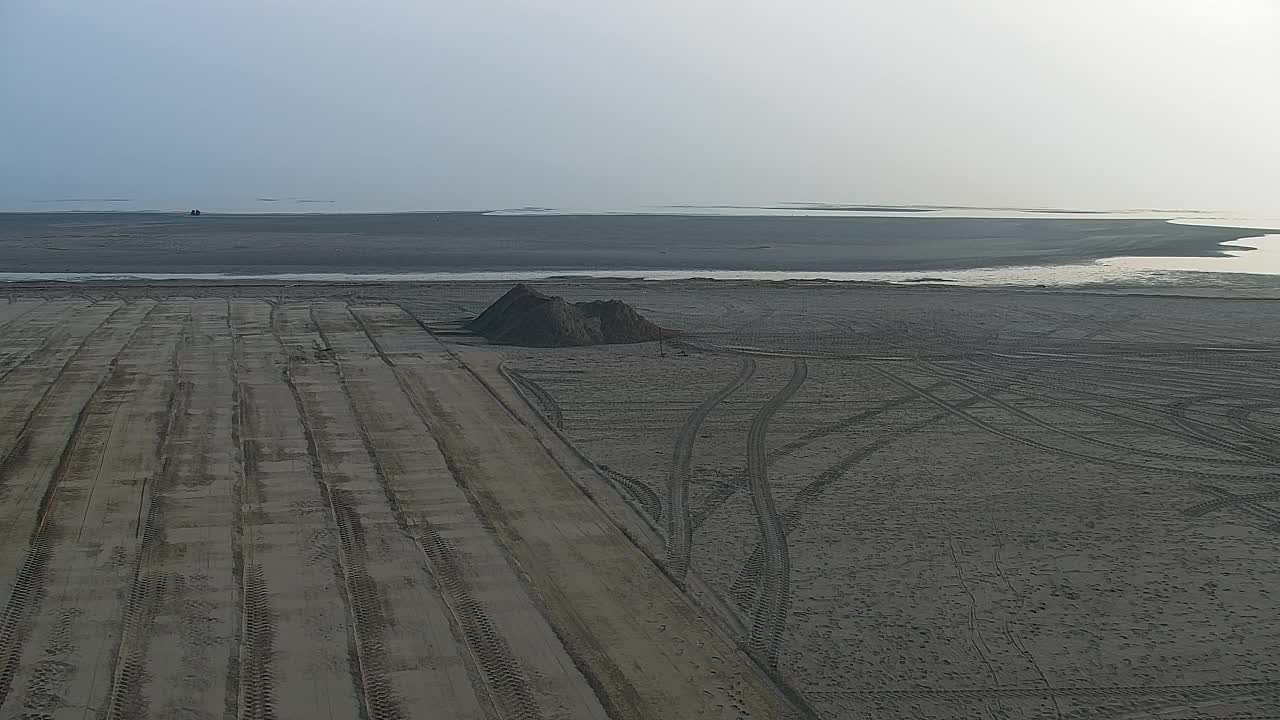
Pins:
x: 524, y: 316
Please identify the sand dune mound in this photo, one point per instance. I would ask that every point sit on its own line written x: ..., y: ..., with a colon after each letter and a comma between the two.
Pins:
x: 524, y: 316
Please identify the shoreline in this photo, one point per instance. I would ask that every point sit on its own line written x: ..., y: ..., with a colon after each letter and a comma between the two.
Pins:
x: 472, y: 245
x: 1238, y: 287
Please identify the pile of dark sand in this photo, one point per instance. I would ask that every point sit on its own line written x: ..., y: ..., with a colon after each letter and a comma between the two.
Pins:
x: 525, y: 316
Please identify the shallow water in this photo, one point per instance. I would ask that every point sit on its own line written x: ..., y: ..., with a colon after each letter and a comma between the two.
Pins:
x: 1257, y: 255
x: 1121, y: 270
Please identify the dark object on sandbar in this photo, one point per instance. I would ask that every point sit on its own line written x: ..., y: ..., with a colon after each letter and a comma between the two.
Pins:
x: 525, y: 316
x: 195, y: 213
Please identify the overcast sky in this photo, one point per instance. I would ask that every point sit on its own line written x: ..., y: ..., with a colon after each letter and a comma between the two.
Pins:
x: 383, y: 104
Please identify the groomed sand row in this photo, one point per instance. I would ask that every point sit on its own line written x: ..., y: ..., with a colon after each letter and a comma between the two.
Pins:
x: 244, y: 508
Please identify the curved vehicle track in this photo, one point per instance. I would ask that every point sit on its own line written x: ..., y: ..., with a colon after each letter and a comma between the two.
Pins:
x: 1019, y: 378
x: 950, y: 407
x: 1239, y: 419
x: 550, y: 408
x: 641, y: 493
x: 723, y: 492
x: 1179, y: 413
x: 844, y: 423
x: 989, y: 395
x: 633, y: 488
x: 679, y: 529
x: 744, y: 586
x: 1139, y: 379
x: 768, y: 618
x: 1227, y: 500
x: 1249, y: 504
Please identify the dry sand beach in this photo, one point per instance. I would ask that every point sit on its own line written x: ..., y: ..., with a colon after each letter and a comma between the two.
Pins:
x: 821, y: 500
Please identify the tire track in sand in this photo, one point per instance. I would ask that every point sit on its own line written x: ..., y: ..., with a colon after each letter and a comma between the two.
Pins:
x: 1099, y: 691
x: 679, y: 529
x: 14, y: 359
x: 1055, y: 381
x: 368, y: 622
x: 989, y: 395
x: 550, y: 407
x: 13, y: 320
x: 250, y: 678
x: 1239, y: 419
x: 506, y: 681
x: 28, y: 586
x: 1251, y: 504
x: 632, y: 488
x: 124, y: 697
x: 721, y: 494
x: 1226, y: 499
x: 23, y: 437
x: 976, y: 422
x: 25, y: 356
x: 769, y: 616
x: 973, y: 624
x: 744, y: 588
x: 788, y: 448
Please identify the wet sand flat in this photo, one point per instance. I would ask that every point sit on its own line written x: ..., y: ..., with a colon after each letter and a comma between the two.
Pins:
x: 821, y: 500
x: 471, y: 242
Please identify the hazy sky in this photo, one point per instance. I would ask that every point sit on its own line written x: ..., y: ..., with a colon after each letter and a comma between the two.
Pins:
x: 385, y: 104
